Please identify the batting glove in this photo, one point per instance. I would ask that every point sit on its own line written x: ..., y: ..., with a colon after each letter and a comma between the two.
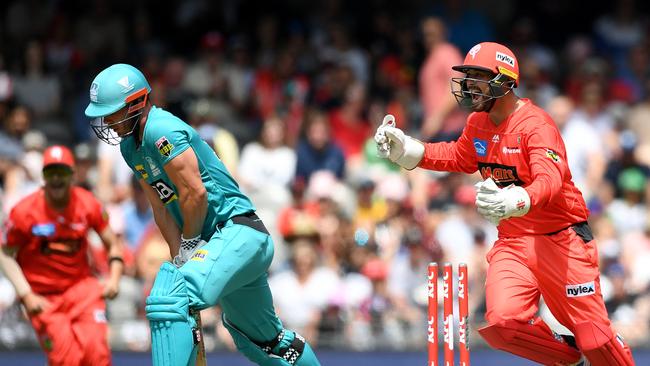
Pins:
x: 496, y: 203
x: 398, y: 147
x: 187, y: 250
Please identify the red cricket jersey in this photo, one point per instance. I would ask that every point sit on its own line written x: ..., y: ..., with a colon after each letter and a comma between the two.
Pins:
x: 52, y: 246
x: 526, y: 150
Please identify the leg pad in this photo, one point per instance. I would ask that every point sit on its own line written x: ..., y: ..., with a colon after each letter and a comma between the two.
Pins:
x: 601, y: 346
x: 534, y: 341
x: 172, y: 327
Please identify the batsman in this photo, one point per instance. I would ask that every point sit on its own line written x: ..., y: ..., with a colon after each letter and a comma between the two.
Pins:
x: 221, y: 250
x: 545, y: 246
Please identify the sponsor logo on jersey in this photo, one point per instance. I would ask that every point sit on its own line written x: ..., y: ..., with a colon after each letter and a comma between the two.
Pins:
x: 552, y: 155
x: 495, y: 138
x: 511, y: 150
x: 199, y: 255
x: 503, y: 175
x: 65, y: 246
x: 164, y: 146
x: 480, y: 146
x: 165, y: 192
x: 43, y: 229
x: 583, y: 289
x: 142, y: 171
x: 502, y: 57
x: 152, y: 166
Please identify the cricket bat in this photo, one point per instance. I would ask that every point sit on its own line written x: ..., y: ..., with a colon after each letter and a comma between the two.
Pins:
x: 198, y: 335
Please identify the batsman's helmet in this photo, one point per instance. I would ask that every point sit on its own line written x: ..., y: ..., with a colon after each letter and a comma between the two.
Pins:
x: 114, y: 88
x: 490, y: 57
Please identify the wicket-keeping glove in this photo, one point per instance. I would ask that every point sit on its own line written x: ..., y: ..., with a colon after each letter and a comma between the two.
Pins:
x: 187, y: 249
x: 496, y: 203
x: 399, y: 148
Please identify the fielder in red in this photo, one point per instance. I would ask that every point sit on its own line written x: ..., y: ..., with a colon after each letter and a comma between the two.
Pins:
x: 545, y: 245
x: 45, y: 256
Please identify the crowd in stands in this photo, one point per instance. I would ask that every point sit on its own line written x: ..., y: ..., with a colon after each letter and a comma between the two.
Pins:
x: 290, y: 101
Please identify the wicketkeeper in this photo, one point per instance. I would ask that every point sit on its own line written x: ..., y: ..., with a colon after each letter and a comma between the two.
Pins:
x: 545, y: 245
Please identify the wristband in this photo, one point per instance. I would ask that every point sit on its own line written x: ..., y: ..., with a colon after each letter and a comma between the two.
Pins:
x: 114, y: 258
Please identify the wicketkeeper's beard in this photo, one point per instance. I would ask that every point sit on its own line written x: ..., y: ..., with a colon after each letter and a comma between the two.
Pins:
x: 482, y: 104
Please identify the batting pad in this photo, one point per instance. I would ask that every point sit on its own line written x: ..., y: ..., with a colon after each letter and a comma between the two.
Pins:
x: 531, y: 341
x: 172, y: 341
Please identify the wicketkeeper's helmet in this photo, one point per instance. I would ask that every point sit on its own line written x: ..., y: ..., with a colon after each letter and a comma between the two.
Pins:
x: 491, y: 57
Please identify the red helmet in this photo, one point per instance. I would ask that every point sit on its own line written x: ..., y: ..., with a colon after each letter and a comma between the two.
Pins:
x: 59, y: 155
x: 493, y: 57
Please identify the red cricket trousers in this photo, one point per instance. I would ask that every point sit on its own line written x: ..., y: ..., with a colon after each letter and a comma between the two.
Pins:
x: 73, y: 331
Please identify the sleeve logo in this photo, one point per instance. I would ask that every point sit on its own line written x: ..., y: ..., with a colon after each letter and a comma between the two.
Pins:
x: 552, y: 155
x: 480, y: 146
x: 164, y: 146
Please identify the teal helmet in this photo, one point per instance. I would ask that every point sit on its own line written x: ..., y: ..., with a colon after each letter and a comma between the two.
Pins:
x: 115, y: 88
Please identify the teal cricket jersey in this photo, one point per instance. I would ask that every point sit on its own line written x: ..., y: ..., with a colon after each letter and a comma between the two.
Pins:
x: 165, y: 137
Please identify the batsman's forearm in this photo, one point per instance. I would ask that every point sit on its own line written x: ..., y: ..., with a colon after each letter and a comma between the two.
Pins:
x: 168, y: 229
x: 14, y: 273
x: 194, y: 206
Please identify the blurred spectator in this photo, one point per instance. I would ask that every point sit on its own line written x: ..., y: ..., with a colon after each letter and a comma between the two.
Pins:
x: 101, y: 33
x: 371, y: 209
x: 443, y: 120
x: 86, y: 171
x: 349, y: 127
x: 525, y: 42
x: 617, y: 32
x: 35, y: 88
x: 534, y: 84
x: 281, y: 91
x: 342, y: 50
x: 466, y: 24
x: 315, y: 150
x: 114, y: 175
x: 302, y: 292
x: 637, y: 122
x: 455, y: 232
x: 138, y: 215
x: 209, y: 118
x: 394, y: 190
x: 259, y: 171
x: 628, y: 213
x: 207, y: 75
x: 300, y: 217
x: 585, y: 151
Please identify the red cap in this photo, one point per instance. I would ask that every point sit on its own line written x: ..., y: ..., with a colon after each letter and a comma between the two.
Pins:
x: 375, y: 269
x: 493, y: 57
x: 58, y: 154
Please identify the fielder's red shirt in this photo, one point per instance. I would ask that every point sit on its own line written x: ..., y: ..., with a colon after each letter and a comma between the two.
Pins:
x: 52, y: 246
x: 526, y: 150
